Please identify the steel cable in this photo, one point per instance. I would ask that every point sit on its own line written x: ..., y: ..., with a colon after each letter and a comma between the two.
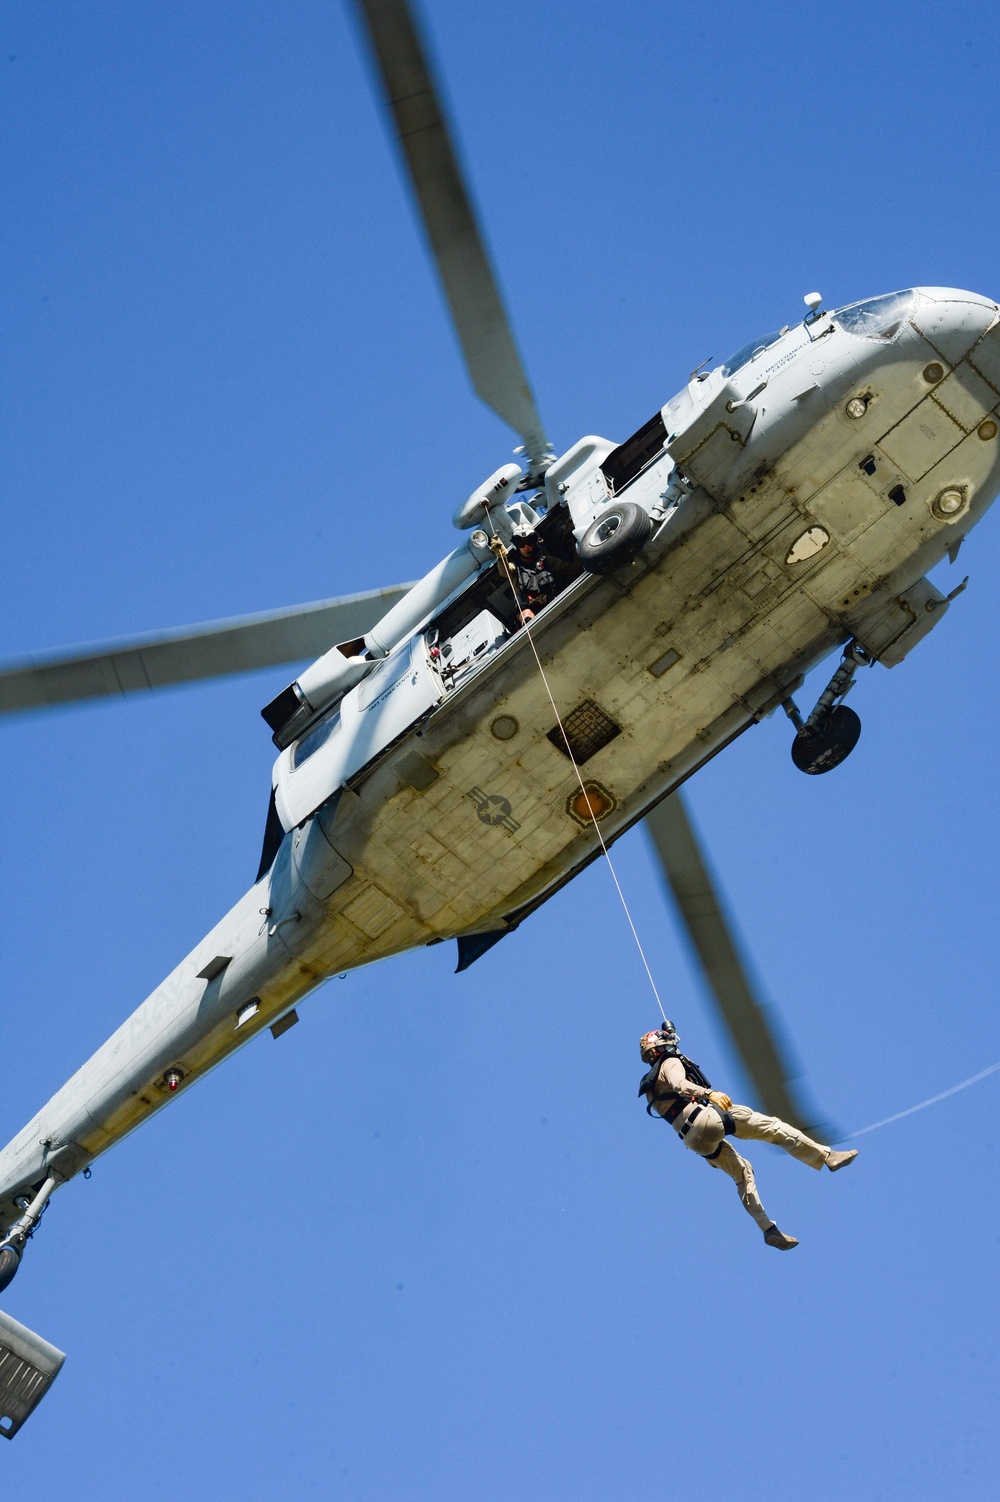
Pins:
x: 930, y: 1101
x: 500, y: 551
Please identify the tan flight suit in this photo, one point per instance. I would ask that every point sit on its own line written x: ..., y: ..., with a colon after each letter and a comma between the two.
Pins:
x: 701, y: 1128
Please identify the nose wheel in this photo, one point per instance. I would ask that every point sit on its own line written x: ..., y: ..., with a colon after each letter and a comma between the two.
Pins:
x: 829, y: 735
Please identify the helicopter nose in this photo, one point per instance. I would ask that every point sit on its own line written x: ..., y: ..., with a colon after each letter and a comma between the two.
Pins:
x: 953, y: 321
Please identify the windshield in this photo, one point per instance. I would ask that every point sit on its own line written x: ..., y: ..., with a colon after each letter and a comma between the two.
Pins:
x: 750, y: 352
x: 879, y: 317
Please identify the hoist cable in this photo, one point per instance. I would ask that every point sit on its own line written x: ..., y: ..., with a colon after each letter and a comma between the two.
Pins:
x: 931, y: 1101
x: 500, y: 551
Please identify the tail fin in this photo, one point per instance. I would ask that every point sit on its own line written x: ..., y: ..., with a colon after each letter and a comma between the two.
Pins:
x: 28, y: 1368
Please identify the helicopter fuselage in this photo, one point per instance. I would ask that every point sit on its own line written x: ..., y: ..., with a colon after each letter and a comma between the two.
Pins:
x: 800, y: 495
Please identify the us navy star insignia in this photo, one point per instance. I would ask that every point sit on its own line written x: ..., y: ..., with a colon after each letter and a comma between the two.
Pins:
x: 492, y: 809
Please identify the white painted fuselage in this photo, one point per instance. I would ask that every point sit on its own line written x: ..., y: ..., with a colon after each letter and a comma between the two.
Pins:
x: 432, y: 804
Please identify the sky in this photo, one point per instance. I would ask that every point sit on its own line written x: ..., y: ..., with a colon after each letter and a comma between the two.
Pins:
x: 428, y: 1245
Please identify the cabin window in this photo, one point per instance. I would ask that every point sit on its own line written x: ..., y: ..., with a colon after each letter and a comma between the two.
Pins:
x: 318, y: 736
x: 384, y: 677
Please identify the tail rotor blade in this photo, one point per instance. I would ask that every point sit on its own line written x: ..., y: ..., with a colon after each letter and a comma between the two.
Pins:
x: 725, y: 972
x: 459, y: 250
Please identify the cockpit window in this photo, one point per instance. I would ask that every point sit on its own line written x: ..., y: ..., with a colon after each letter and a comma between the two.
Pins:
x: 750, y: 352
x: 318, y: 736
x: 879, y: 317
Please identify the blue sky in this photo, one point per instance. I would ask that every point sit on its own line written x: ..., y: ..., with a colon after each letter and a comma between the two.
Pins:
x: 428, y: 1245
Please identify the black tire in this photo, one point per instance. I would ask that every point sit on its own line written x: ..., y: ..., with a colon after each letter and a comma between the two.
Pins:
x: 814, y: 754
x: 10, y: 1261
x: 614, y: 538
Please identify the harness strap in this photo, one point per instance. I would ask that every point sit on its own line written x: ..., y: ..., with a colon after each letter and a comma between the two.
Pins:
x: 675, y: 1108
x: 649, y: 1086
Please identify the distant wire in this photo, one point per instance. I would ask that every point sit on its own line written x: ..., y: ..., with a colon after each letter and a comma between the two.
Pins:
x: 501, y: 554
x: 932, y: 1101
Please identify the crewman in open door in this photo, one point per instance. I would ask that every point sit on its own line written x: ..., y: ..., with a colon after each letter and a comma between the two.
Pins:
x: 540, y: 575
x: 703, y: 1118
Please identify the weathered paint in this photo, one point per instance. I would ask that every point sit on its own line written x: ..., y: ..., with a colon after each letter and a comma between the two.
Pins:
x: 684, y: 650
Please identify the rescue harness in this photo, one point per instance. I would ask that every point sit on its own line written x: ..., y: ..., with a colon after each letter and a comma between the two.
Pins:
x: 536, y: 579
x: 649, y: 1086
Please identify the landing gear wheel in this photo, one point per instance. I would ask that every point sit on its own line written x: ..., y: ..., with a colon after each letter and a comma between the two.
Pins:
x: 614, y: 538
x: 836, y: 741
x: 10, y: 1261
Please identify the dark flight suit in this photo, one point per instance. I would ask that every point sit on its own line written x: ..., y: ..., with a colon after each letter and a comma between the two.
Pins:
x: 536, y: 581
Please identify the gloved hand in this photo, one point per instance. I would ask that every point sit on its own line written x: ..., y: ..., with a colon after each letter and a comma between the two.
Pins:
x: 720, y: 1098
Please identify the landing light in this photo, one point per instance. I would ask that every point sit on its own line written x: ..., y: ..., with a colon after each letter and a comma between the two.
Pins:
x: 949, y: 504
x: 857, y: 406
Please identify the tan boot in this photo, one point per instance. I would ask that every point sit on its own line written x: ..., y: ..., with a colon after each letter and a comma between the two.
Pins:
x: 777, y: 1238
x: 841, y: 1160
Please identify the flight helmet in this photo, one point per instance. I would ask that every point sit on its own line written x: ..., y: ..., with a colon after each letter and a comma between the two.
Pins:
x: 660, y: 1041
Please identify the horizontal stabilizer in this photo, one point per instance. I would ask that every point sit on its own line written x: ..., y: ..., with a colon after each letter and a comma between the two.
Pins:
x: 28, y: 1368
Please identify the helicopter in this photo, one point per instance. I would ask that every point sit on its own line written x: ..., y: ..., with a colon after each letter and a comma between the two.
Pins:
x: 785, y: 504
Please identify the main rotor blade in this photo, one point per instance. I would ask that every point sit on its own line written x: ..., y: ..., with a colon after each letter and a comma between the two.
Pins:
x: 715, y: 946
x: 239, y: 645
x: 463, y: 262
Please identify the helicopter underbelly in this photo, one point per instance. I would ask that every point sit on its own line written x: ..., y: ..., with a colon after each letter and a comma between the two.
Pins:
x: 469, y: 819
x: 466, y: 821
x: 387, y: 866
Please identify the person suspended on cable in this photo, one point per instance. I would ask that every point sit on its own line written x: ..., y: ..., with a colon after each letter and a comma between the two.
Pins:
x: 539, y: 575
x: 676, y: 1089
